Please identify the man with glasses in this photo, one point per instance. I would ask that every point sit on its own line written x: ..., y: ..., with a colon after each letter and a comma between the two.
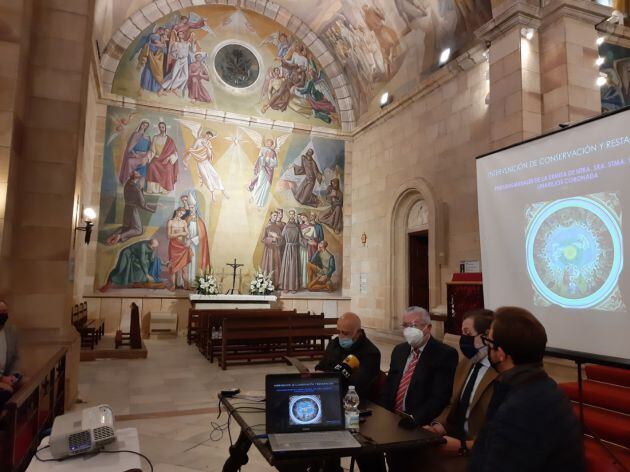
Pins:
x: 530, y: 425
x: 462, y: 419
x: 420, y: 379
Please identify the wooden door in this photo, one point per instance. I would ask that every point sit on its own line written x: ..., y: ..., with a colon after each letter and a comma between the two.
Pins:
x: 419, y: 269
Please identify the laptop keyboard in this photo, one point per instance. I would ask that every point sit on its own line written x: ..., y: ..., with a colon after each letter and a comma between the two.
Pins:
x: 323, y: 440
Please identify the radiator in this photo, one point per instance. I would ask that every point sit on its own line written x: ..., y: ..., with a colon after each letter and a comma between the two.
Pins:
x: 162, y: 321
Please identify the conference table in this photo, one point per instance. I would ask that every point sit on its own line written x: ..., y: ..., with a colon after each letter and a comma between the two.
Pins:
x: 378, y: 433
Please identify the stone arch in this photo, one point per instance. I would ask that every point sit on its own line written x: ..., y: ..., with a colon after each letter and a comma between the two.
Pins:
x: 157, y: 9
x: 405, y: 197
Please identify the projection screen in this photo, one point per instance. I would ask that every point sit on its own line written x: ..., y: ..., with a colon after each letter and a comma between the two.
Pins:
x: 553, y: 213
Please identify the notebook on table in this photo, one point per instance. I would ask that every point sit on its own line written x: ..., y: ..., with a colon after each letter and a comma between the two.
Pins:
x: 304, y: 412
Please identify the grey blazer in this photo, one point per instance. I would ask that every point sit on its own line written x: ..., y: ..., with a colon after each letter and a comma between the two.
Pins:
x: 12, y: 364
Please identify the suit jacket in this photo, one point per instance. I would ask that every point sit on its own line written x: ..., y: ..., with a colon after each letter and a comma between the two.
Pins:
x: 11, y: 365
x: 431, y: 384
x: 478, y: 403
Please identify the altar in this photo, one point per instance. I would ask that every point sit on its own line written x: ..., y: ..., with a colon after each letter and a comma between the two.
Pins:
x: 231, y: 302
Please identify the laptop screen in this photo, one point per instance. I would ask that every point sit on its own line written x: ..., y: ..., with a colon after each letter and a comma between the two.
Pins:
x: 303, y: 402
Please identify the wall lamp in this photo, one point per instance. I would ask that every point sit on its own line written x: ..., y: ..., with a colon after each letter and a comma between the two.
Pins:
x: 527, y: 33
x: 364, y: 238
x: 88, y: 215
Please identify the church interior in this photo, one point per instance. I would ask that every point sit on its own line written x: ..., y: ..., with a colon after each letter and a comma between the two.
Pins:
x: 223, y: 194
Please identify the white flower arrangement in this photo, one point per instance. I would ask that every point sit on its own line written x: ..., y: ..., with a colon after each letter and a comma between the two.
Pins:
x: 206, y: 284
x: 261, y: 284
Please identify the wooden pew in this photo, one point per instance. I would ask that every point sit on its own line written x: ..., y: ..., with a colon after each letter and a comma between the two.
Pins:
x: 211, y: 320
x: 86, y: 328
x: 274, y: 337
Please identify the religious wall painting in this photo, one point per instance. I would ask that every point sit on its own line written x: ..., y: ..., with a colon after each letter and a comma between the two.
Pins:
x: 374, y: 42
x: 180, y: 197
x: 221, y: 57
x: 615, y: 94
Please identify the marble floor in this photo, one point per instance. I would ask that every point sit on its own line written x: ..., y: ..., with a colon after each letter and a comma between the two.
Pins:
x: 171, y: 398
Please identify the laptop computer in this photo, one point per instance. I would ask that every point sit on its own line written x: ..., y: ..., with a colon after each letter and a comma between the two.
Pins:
x: 304, y: 412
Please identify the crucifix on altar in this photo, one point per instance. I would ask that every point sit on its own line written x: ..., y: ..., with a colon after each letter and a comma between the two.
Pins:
x: 234, y: 266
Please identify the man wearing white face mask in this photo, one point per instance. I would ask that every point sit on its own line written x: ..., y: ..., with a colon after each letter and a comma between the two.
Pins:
x: 420, y: 379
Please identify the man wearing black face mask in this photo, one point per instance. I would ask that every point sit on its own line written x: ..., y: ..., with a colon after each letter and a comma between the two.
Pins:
x: 530, y: 425
x: 9, y: 357
x: 462, y: 419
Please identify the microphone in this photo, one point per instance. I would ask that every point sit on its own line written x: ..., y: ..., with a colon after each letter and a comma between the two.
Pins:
x: 350, y: 363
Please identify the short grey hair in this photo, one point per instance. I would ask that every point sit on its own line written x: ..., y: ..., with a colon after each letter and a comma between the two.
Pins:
x: 421, y: 312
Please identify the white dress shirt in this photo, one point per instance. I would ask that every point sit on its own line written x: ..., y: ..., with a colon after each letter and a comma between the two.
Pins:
x: 485, y: 365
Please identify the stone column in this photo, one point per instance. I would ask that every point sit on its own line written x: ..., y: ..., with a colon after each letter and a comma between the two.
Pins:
x: 568, y: 55
x: 515, y: 95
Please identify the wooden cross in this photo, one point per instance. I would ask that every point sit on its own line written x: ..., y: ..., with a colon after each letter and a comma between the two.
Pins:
x: 234, y: 266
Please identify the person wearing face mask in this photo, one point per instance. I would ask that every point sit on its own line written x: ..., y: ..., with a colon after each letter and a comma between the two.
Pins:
x: 530, y: 425
x: 9, y: 357
x: 352, y: 340
x: 462, y: 419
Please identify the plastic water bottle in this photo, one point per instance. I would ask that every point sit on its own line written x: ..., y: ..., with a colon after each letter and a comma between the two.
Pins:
x: 351, y: 407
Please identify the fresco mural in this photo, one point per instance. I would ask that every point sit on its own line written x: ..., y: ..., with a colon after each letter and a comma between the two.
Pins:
x: 180, y: 197
x: 373, y: 42
x: 616, y: 93
x: 225, y: 58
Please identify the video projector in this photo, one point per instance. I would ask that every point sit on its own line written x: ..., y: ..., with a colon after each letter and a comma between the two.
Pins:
x: 82, y: 432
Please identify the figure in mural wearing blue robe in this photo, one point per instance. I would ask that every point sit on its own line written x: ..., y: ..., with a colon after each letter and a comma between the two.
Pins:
x: 136, y: 266
x: 321, y: 269
x: 151, y: 60
x: 134, y: 202
x: 135, y: 155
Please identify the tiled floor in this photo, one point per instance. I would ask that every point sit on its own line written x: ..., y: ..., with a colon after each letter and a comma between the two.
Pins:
x: 171, y: 382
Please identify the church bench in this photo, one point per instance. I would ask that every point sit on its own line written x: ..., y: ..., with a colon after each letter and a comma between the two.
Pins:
x: 208, y: 337
x: 274, y: 337
x: 253, y: 338
x: 91, y: 331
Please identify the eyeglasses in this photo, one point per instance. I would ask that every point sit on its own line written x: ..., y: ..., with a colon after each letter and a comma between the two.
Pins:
x: 489, y: 342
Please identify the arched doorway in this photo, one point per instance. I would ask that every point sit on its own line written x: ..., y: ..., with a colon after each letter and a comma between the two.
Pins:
x: 414, y: 215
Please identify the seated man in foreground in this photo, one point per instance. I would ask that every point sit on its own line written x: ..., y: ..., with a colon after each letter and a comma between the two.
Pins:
x: 420, y: 379
x: 530, y: 425
x: 352, y: 341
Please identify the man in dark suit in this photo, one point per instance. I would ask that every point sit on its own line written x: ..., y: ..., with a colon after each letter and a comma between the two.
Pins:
x: 530, y: 425
x: 420, y: 379
x: 9, y: 356
x: 352, y: 341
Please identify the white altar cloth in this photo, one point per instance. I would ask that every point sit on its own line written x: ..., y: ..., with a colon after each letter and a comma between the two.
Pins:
x: 230, y: 302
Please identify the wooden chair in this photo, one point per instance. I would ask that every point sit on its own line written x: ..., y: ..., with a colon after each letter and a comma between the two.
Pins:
x: 86, y: 328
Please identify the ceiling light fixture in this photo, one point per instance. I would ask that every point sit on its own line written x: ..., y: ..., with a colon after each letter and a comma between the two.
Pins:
x: 386, y: 99
x: 445, y: 56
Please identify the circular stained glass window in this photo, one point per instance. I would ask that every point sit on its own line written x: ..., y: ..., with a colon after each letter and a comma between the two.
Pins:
x: 237, y: 65
x: 574, y: 252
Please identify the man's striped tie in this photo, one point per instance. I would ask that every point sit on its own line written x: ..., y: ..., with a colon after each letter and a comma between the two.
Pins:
x: 406, y: 380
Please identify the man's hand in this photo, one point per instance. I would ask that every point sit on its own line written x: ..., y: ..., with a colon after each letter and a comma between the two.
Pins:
x: 9, y: 379
x: 451, y: 447
x: 436, y: 428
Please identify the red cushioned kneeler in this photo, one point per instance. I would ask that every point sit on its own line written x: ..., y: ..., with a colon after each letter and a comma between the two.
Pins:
x: 608, y: 374
x: 610, y: 397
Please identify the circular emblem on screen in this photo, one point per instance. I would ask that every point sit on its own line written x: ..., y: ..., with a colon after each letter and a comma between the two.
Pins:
x: 305, y: 409
x: 574, y: 252
x: 237, y: 65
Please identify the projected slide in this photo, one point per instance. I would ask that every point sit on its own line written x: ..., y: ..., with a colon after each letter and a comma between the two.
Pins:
x: 553, y: 213
x: 305, y: 409
x: 574, y: 253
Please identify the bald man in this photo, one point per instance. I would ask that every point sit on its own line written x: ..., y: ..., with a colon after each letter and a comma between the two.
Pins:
x: 352, y: 340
